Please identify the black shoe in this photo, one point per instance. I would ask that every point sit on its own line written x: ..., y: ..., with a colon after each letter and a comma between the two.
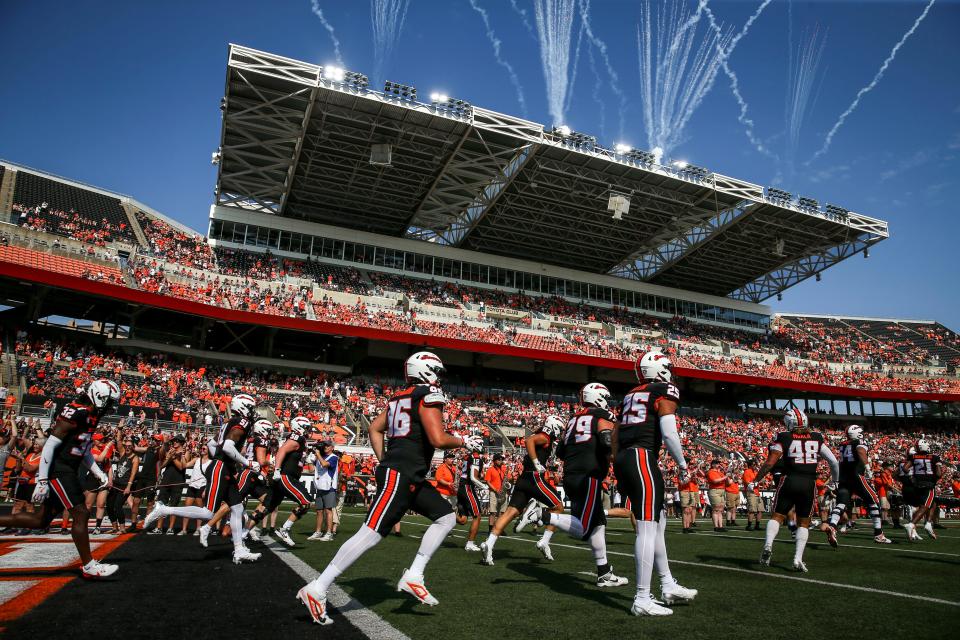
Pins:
x: 64, y: 532
x: 687, y: 530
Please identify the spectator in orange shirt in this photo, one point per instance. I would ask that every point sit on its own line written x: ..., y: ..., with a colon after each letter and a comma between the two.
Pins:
x: 689, y: 501
x: 733, y: 500
x: 716, y: 481
x: 444, y: 477
x: 752, y: 493
x: 494, y: 477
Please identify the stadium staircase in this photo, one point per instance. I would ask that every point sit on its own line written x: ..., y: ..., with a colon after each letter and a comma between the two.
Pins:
x: 358, y: 423
x: 712, y: 446
x: 8, y: 371
x: 8, y: 180
x: 870, y: 337
x: 131, y: 212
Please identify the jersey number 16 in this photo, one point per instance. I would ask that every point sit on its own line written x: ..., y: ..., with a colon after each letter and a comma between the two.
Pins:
x: 398, y: 418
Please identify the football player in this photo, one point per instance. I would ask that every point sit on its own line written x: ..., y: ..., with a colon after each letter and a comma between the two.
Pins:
x: 286, y: 480
x: 531, y: 486
x: 853, y: 464
x: 222, y: 477
x: 925, y: 471
x: 800, y: 450
x: 647, y: 421
x: 585, y: 451
x: 58, y: 489
x: 468, y: 498
x: 412, y: 428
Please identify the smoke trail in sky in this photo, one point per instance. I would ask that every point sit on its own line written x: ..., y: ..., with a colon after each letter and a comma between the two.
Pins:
x: 573, y: 68
x: 871, y: 86
x: 800, y: 89
x: 597, y: 86
x: 387, y: 18
x: 514, y: 79
x: 602, y: 50
x: 677, y: 68
x: 554, y: 22
x: 317, y: 11
x: 724, y: 55
x: 523, y: 18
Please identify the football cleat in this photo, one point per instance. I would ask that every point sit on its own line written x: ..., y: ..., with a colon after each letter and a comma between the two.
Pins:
x: 798, y: 565
x: 544, y: 548
x: 471, y: 546
x: 316, y: 602
x: 678, y: 595
x: 414, y: 586
x: 610, y: 579
x: 284, y: 537
x: 882, y: 539
x: 831, y: 535
x: 204, y: 534
x: 487, y: 558
x: 647, y: 607
x: 929, y: 529
x: 242, y: 554
x: 765, y: 556
x: 843, y: 528
x: 531, y: 515
x: 159, y: 511
x: 95, y: 570
x: 254, y: 534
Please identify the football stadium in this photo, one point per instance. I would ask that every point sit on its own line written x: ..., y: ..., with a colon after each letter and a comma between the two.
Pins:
x: 433, y: 369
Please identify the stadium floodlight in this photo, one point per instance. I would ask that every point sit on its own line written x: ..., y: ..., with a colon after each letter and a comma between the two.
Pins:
x: 356, y: 81
x: 451, y: 106
x: 837, y: 213
x: 622, y: 148
x: 866, y: 253
x: 639, y: 156
x: 333, y: 73
x: 808, y: 204
x: 563, y: 130
x: 397, y: 91
x: 680, y: 164
x: 818, y: 277
x: 436, y: 97
x: 215, y: 157
x: 779, y: 195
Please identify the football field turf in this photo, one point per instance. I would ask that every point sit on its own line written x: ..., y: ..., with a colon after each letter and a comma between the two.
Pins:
x: 861, y: 589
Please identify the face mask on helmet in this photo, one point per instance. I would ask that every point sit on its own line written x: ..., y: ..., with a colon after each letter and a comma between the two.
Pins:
x: 242, y: 405
x: 553, y: 426
x: 262, y: 428
x: 595, y: 395
x: 424, y: 367
x: 923, y: 446
x: 795, y: 419
x: 854, y: 432
x: 654, y: 366
x: 299, y: 426
x: 103, y: 394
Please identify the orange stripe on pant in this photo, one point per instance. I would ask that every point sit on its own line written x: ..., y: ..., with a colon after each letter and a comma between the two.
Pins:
x: 376, y: 514
x: 293, y: 490
x: 587, y: 516
x: 646, y: 511
x: 58, y: 488
x: 214, y: 487
x: 473, y: 502
x: 547, y: 490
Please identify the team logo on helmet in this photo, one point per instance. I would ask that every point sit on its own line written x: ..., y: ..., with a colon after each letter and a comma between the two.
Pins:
x: 424, y: 367
x: 653, y: 365
x: 299, y: 426
x: 103, y: 393
x: 595, y: 395
x: 923, y: 445
x: 795, y: 419
x: 242, y: 404
x: 553, y: 426
x: 854, y: 432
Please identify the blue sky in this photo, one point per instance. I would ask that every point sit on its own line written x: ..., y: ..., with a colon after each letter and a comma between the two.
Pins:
x: 125, y: 95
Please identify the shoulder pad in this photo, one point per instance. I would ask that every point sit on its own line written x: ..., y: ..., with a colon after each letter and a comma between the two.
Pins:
x: 432, y: 395
x: 670, y: 391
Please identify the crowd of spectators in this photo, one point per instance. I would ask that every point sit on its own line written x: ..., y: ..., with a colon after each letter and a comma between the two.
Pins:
x: 173, y: 245
x: 70, y: 223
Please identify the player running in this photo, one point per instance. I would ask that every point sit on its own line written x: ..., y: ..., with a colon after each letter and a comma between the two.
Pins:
x: 468, y: 498
x: 647, y: 420
x: 853, y: 464
x: 585, y: 451
x: 412, y: 429
x: 925, y: 470
x: 58, y: 483
x: 801, y: 450
x: 222, y: 477
x: 531, y: 487
x: 286, y: 480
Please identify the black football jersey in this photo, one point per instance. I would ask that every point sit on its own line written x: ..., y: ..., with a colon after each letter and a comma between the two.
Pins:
x: 583, y: 454
x: 466, y: 468
x: 639, y: 424
x: 924, y: 470
x: 850, y: 464
x: 237, y: 423
x: 80, y: 438
x: 293, y: 461
x: 801, y: 451
x: 543, y: 453
x: 408, y: 449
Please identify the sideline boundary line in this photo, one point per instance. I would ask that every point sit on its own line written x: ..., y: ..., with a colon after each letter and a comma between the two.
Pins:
x: 368, y: 622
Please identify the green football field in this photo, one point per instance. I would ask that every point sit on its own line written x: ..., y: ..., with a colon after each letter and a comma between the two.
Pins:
x: 900, y: 590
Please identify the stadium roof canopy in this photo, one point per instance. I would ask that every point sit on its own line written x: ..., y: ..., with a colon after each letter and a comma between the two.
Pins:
x: 297, y: 142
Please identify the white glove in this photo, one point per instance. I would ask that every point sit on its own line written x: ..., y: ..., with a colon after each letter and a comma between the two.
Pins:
x: 831, y: 486
x: 473, y: 443
x: 41, y: 491
x: 685, y: 475
x: 276, y: 475
x: 104, y: 481
x: 254, y: 466
x: 750, y: 486
x: 539, y: 467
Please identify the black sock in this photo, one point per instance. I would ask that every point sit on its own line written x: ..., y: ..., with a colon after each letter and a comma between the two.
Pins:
x: 99, y: 521
x: 603, y: 569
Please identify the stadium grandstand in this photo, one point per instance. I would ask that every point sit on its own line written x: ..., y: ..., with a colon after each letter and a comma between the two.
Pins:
x: 352, y: 228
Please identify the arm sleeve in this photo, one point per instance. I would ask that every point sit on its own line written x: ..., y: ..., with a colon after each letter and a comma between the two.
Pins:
x: 46, y: 456
x: 475, y: 478
x: 230, y: 448
x: 827, y: 455
x: 668, y: 427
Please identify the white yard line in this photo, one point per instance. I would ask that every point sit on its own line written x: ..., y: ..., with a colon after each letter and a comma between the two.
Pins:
x: 876, y: 547
x: 369, y: 623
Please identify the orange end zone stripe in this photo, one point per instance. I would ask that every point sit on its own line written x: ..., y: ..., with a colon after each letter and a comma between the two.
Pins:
x: 47, y: 586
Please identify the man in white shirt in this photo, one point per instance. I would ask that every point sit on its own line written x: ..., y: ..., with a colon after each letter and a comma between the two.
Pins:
x: 326, y: 479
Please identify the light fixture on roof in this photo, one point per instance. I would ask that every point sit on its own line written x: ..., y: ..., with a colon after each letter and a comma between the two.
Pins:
x: 779, y: 195
x: 618, y: 204
x: 808, y: 204
x: 451, y: 106
x: 334, y: 73
x: 779, y: 297
x: 563, y: 130
x: 818, y: 277
x: 402, y: 92
x: 215, y: 157
x: 438, y: 97
x: 866, y: 253
x: 680, y: 164
x: 622, y: 148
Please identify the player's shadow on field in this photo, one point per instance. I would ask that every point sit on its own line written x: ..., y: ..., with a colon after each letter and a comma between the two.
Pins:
x: 562, y: 583
x: 743, y: 563
x: 372, y: 591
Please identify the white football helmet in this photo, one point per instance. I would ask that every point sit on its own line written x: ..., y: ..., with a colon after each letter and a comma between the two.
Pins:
x: 795, y: 419
x: 423, y: 367
x: 854, y: 432
x: 912, y: 451
x: 923, y: 445
x: 553, y: 427
x: 262, y: 428
x: 595, y: 395
x: 653, y: 365
x: 299, y: 426
x: 103, y: 393
x: 242, y: 404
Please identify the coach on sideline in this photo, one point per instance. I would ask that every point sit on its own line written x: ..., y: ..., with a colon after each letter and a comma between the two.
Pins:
x: 326, y: 480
